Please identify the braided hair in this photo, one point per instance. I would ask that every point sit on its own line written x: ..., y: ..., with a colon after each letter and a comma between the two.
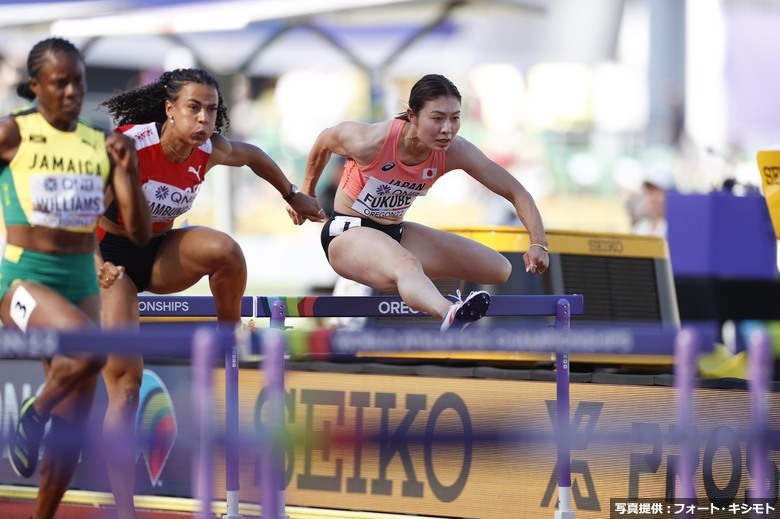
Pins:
x: 37, y: 57
x: 147, y: 103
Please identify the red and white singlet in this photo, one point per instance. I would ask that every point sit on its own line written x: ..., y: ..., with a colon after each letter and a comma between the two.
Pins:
x: 170, y: 188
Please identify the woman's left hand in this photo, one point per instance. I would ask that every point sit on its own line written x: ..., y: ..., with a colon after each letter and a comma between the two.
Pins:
x: 304, y: 207
x: 536, y: 260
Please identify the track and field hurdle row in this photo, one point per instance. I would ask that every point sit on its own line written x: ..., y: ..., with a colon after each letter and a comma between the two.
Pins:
x: 277, y: 309
x: 685, y: 346
x: 205, y: 343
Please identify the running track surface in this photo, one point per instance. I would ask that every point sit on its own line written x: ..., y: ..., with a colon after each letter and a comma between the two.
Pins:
x: 13, y: 509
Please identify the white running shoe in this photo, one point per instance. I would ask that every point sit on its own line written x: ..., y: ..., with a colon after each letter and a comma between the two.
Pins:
x: 466, y: 311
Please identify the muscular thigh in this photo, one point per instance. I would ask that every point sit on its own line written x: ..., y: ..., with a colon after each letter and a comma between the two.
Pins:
x: 27, y: 304
x: 367, y: 256
x: 186, y: 255
x: 447, y: 255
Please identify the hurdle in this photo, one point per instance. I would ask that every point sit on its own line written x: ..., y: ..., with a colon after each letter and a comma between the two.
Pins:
x: 561, y: 307
x: 535, y: 340
x: 615, y: 340
x: 157, y: 308
x: 277, y: 308
x: 682, y: 344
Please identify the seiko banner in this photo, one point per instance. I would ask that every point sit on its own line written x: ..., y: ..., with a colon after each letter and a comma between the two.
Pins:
x: 478, y: 448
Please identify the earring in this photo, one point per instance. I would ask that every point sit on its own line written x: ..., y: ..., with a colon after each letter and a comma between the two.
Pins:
x: 171, y: 120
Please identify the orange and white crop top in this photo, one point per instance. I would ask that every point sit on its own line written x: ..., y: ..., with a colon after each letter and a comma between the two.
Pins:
x: 386, y: 188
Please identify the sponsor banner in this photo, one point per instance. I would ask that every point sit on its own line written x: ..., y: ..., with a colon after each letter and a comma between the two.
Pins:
x: 163, y: 424
x: 769, y: 165
x: 483, y: 448
x: 336, y: 306
x: 393, y: 306
x: 185, y: 306
x: 512, y: 239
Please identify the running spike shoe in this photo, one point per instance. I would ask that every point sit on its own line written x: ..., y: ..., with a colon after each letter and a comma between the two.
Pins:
x: 26, y: 442
x: 466, y: 311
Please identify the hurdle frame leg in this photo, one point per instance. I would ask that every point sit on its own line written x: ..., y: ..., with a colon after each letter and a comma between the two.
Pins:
x: 563, y: 322
x: 760, y: 369
x: 686, y: 348
x: 231, y: 433
x: 203, y: 350
x: 272, y: 489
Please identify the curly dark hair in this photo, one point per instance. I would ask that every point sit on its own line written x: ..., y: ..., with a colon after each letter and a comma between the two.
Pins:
x: 146, y: 104
x: 37, y: 57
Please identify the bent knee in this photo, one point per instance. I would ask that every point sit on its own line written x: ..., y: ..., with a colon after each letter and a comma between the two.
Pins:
x: 226, y: 252
x: 233, y: 255
x: 500, y: 271
x: 405, y: 264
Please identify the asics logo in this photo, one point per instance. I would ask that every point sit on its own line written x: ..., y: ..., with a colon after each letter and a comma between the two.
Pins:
x: 388, y: 166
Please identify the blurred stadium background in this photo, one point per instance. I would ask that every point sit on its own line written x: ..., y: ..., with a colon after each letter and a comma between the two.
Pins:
x: 579, y: 100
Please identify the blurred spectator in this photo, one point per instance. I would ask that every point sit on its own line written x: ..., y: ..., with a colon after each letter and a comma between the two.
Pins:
x: 650, y: 215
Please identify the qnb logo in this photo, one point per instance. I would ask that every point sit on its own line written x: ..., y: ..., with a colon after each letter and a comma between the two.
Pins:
x: 161, y: 193
x: 155, y: 424
x: 383, y: 189
x: 395, y: 308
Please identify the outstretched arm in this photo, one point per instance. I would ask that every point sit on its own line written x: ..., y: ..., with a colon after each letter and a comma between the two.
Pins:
x: 349, y: 139
x: 359, y: 141
x: 238, y: 154
x: 466, y: 156
x: 127, y: 188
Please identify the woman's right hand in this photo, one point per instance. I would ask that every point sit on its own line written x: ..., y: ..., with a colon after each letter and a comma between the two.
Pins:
x: 304, y: 207
x: 108, y: 273
x: 122, y: 150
